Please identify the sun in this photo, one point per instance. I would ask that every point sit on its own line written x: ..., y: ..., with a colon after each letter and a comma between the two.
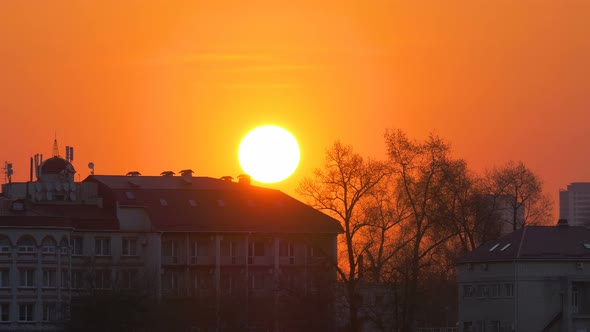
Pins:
x: 269, y: 154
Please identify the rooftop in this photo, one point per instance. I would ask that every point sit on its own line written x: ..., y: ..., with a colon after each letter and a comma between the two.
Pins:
x: 561, y: 242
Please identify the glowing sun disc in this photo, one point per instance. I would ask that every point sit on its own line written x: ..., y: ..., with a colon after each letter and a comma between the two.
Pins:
x: 269, y: 154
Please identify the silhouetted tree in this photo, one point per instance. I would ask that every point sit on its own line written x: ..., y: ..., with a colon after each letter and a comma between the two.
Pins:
x: 338, y: 188
x: 522, y: 191
x: 422, y: 172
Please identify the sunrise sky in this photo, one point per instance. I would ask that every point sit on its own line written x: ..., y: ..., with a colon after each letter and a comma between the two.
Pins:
x: 168, y: 85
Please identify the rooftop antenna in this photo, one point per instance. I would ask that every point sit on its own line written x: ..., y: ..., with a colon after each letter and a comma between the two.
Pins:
x: 69, y: 153
x: 8, y: 172
x: 55, y: 148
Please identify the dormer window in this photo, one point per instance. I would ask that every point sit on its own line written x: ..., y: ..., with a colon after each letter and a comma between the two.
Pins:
x: 163, y: 202
x: 506, y: 247
x: 192, y: 203
x: 129, y: 195
x: 494, y: 247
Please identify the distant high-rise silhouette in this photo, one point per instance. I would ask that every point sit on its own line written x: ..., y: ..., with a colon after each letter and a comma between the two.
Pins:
x: 574, y: 204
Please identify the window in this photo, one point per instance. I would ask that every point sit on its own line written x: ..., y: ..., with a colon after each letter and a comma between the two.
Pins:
x: 49, y: 312
x: 102, y: 247
x: 496, y: 326
x: 63, y: 247
x: 129, y: 195
x: 508, y: 289
x: 49, y: 278
x: 25, y: 312
x: 286, y: 249
x: 77, y: 279
x: 170, y: 248
x: 129, y: 279
x: 48, y: 246
x: 4, y: 278
x: 77, y: 246
x: 200, y: 248
x: 495, y: 290
x: 129, y: 247
x: 467, y: 326
x: 27, y: 278
x: 468, y: 291
x: 4, y: 245
x: 482, y: 291
x: 202, y: 281
x: 506, y: 247
x: 102, y: 279
x: 65, y: 277
x: 192, y: 203
x: 481, y: 326
x: 256, y: 248
x: 163, y: 202
x: 26, y: 245
x: 4, y: 312
x: 494, y: 247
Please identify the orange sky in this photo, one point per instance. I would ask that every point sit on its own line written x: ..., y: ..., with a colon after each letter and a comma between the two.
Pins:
x: 167, y: 85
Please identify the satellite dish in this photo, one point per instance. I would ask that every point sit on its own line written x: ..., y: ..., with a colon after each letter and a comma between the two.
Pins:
x: 66, y: 186
x: 91, y: 165
x: 72, y: 196
x: 38, y: 186
x: 57, y: 186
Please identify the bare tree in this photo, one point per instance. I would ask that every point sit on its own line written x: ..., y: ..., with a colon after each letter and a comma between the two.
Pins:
x: 521, y: 193
x: 421, y: 169
x: 338, y: 189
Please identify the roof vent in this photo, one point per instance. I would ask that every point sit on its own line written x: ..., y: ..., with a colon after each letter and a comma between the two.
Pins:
x: 227, y: 178
x: 562, y: 223
x: 133, y: 173
x: 167, y: 173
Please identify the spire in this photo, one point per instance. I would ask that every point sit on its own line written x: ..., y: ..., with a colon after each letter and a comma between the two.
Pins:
x: 55, y: 148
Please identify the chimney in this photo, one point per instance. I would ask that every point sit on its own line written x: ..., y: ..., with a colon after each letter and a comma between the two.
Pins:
x: 187, y: 172
x: 244, y: 179
x: 167, y: 173
x: 562, y: 223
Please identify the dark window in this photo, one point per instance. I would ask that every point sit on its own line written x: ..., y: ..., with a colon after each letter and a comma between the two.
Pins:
x: 25, y: 312
x: 4, y: 312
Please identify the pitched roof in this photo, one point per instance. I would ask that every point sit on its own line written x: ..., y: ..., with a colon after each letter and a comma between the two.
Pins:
x: 560, y: 242
x: 203, y: 204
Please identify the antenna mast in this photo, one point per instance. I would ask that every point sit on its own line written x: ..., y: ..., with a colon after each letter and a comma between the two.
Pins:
x: 55, y: 148
x: 8, y: 172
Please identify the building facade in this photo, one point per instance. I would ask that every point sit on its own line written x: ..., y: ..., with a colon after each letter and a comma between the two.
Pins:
x: 574, y: 204
x: 534, y: 279
x: 165, y: 237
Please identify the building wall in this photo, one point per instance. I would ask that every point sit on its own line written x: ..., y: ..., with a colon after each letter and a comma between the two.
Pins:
x: 541, y: 290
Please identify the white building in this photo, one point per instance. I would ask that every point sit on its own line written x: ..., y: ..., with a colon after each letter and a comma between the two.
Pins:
x: 174, y: 237
x: 574, y: 204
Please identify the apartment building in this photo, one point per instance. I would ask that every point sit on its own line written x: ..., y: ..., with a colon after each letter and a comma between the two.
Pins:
x: 170, y: 237
x: 534, y: 279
